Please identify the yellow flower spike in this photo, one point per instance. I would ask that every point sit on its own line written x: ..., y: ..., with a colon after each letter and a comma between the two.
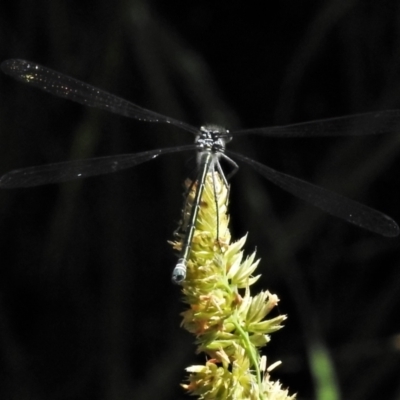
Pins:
x: 261, y: 305
x: 228, y: 322
x: 269, y: 326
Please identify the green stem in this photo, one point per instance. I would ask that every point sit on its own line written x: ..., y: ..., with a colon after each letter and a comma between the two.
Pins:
x: 251, y: 353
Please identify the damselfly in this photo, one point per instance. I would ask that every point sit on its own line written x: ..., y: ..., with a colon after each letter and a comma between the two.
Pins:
x: 210, y: 142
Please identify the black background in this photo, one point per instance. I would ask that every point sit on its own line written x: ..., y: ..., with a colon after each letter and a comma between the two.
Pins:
x: 87, y: 310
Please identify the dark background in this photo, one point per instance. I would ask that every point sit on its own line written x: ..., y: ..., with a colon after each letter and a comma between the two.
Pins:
x: 87, y: 310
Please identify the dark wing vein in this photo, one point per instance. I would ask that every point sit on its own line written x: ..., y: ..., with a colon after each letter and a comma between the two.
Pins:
x: 333, y: 203
x: 372, y: 123
x: 70, y: 88
x: 78, y: 169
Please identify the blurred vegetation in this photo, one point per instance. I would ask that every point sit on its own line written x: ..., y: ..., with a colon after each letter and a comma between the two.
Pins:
x: 87, y: 310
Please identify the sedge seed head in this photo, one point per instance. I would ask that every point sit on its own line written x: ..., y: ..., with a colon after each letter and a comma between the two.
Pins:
x: 230, y: 325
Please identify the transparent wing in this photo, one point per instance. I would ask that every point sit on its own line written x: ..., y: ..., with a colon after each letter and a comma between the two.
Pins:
x: 69, y: 88
x: 333, y: 203
x: 70, y: 170
x: 372, y: 123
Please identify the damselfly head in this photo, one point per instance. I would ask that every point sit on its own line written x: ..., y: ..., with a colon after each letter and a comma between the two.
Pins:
x: 215, y: 132
x: 212, y: 138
